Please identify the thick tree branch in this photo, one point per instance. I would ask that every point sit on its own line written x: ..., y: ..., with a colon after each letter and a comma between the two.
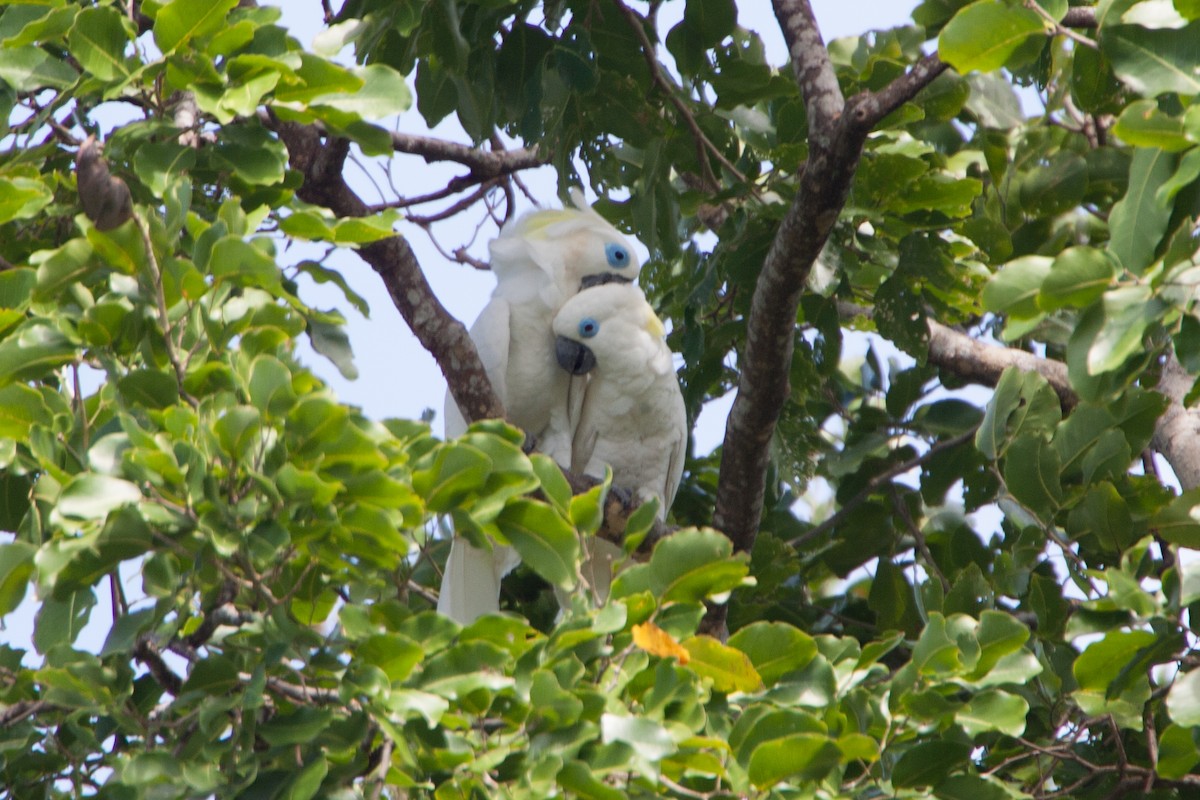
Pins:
x: 483, y: 163
x: 837, y: 130
x: 320, y: 161
x: 1178, y: 430
x: 1175, y: 433
x: 977, y: 362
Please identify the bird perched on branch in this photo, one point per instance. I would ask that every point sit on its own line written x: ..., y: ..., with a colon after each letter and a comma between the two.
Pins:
x: 630, y: 415
x: 540, y: 260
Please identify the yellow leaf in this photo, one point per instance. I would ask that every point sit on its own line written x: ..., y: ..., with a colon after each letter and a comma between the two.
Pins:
x: 656, y: 641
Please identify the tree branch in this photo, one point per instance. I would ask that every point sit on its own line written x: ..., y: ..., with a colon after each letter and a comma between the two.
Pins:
x: 1178, y: 429
x: 482, y: 163
x: 983, y: 363
x: 837, y: 130
x: 320, y: 161
x: 148, y: 654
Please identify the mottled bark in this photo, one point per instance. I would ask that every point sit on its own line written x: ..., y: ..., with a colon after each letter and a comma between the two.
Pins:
x: 1177, y: 433
x: 483, y: 164
x: 978, y: 362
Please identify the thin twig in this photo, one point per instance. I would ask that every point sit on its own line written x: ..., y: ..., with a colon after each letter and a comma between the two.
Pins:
x: 1060, y: 29
x: 378, y: 776
x: 703, y: 143
x: 161, y: 303
x: 919, y: 539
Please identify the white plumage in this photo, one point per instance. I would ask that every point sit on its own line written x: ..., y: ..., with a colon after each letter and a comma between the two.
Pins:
x: 540, y: 260
x: 631, y: 415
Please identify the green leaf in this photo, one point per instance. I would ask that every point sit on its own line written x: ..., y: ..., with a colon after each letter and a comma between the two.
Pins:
x: 1055, y: 186
x: 1128, y: 312
x: 180, y: 21
x: 321, y: 274
x: 238, y: 432
x: 158, y: 164
x: 392, y: 653
x: 651, y: 740
x: 935, y: 651
x: 16, y: 566
x: 29, y: 68
x: 985, y: 34
x: 694, y: 564
x: 586, y: 511
x: 803, y: 756
x: 1183, y: 700
x: 56, y: 269
x: 270, y: 386
x: 1078, y: 277
x: 1100, y: 664
x: 1014, y: 290
x: 1178, y: 753
x: 1031, y: 469
x: 384, y: 93
x: 927, y: 763
x: 21, y: 407
x: 1139, y: 219
x: 774, y: 648
x: 298, y: 727
x: 1179, y: 520
x: 993, y: 710
x: 307, y: 782
x: 91, y: 496
x: 543, y: 538
x: 34, y: 352
x: 1143, y: 124
x: 457, y: 469
x: 331, y: 341
x: 554, y: 483
x: 98, y: 40
x: 60, y: 621
x: 710, y: 20
x: 1155, y: 61
x: 149, y: 388
x: 728, y: 668
x: 1186, y: 174
x: 971, y: 787
x: 22, y: 198
x: 1023, y: 403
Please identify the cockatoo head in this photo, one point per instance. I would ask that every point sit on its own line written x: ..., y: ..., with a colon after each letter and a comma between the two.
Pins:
x: 575, y: 247
x: 609, y: 327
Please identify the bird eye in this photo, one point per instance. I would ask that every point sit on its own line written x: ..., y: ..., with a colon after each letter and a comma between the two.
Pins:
x: 617, y: 255
x: 588, y: 327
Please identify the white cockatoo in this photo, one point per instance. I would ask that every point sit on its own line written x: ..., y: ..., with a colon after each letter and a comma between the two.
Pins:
x: 631, y: 415
x: 540, y: 260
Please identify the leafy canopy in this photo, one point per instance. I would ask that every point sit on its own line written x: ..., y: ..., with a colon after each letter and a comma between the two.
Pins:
x: 992, y: 600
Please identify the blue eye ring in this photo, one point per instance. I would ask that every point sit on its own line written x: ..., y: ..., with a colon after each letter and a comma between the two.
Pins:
x: 617, y: 255
x: 588, y: 327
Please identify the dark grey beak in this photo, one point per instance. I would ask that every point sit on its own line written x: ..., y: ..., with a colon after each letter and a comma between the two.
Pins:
x: 601, y: 278
x: 574, y: 357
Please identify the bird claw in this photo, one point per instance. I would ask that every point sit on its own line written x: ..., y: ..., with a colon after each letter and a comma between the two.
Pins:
x: 623, y: 495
